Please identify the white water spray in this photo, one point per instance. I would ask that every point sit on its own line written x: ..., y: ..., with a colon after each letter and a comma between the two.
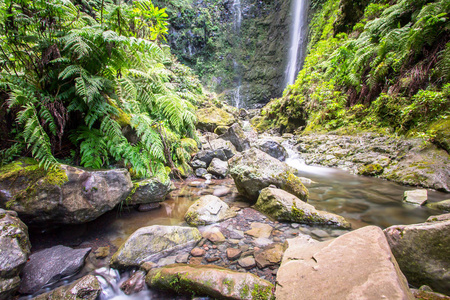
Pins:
x: 298, y: 39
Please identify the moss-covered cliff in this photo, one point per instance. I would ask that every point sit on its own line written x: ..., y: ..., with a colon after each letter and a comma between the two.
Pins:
x: 387, y: 70
x: 205, y: 36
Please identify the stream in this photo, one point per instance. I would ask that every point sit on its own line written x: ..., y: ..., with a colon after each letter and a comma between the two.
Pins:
x: 361, y: 200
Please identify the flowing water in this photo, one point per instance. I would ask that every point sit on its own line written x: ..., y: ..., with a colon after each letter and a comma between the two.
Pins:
x: 298, y: 39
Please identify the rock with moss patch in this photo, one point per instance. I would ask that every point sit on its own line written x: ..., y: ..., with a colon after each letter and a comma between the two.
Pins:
x: 423, y: 252
x: 441, y: 205
x: 212, y: 281
x: 207, y: 210
x: 64, y: 195
x: 210, y: 118
x: 149, y: 191
x: 441, y: 132
x: 221, y: 130
x: 356, y: 265
x: 370, y: 170
x: 150, y: 244
x: 283, y: 206
x: 253, y: 170
x: 236, y: 136
x: 14, y: 251
x: 86, y: 288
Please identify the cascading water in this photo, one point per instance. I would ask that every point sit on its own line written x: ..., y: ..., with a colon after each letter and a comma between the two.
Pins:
x: 298, y: 39
x: 237, y: 14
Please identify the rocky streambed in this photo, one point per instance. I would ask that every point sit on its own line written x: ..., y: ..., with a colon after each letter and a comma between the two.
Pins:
x: 249, y: 226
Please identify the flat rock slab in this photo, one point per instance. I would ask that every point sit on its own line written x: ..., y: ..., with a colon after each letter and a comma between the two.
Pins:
x: 417, y: 197
x: 260, y: 230
x: 216, y: 282
x: 49, y: 265
x: 207, y: 210
x: 356, y: 265
x: 423, y: 252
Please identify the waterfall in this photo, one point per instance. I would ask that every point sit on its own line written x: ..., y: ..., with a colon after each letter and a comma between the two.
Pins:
x: 298, y: 39
x: 237, y: 27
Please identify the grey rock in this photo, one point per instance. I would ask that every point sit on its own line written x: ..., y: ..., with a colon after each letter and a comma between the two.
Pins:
x: 236, y: 136
x: 86, y: 288
x: 220, y: 144
x: 208, y: 155
x: 366, y: 269
x: 150, y: 244
x: 49, y: 265
x: 208, y: 209
x: 200, y: 172
x: 149, y: 191
x: 14, y: 249
x: 79, y: 196
x: 134, y: 284
x: 247, y: 262
x: 197, y: 163
x: 417, y: 197
x: 422, y: 252
x: 218, y: 167
x: 272, y: 148
x: 253, y: 170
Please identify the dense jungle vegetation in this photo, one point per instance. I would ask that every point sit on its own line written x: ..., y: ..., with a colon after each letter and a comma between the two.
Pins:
x: 90, y: 83
x: 371, y: 65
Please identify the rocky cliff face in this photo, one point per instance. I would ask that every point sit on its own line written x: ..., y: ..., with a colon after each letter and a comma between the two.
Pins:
x: 237, y: 47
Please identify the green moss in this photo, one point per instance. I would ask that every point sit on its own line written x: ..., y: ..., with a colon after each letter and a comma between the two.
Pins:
x: 262, y: 293
x: 27, y: 173
x: 245, y: 291
x: 370, y: 170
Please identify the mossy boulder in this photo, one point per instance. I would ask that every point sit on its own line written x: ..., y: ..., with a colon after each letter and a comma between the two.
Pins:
x: 149, y: 191
x: 64, y: 195
x: 86, y: 288
x: 441, y: 131
x: 283, y: 206
x: 14, y: 251
x: 423, y: 252
x: 441, y: 205
x: 149, y: 244
x: 261, y: 124
x: 209, y: 118
x: 370, y: 170
x: 254, y: 170
x: 212, y: 281
x: 207, y: 210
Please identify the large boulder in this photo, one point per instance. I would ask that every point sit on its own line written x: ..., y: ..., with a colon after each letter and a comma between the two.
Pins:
x: 208, y: 210
x: 14, y: 251
x: 149, y: 191
x: 356, y: 265
x: 283, y: 206
x: 150, y: 244
x: 50, y: 265
x: 210, y: 117
x: 212, y: 281
x: 441, y: 205
x: 274, y: 149
x: 253, y: 170
x: 218, y: 168
x: 86, y: 288
x: 423, y: 252
x: 236, y: 136
x: 65, y: 195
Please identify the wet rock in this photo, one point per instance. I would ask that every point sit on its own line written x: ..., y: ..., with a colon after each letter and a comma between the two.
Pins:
x: 253, y: 170
x: 221, y: 191
x: 418, y: 197
x: 200, y: 172
x: 101, y: 252
x: 272, y: 148
x: 66, y: 195
x: 197, y: 163
x: 149, y: 191
x: 423, y: 252
x: 220, y: 144
x: 49, y: 265
x: 247, y: 262
x: 283, y: 206
x: 366, y: 268
x: 443, y: 217
x: 221, y: 130
x: 214, y: 235
x: 208, y: 210
x: 236, y: 136
x: 196, y: 252
x: 441, y: 205
x: 259, y: 230
x: 270, y: 255
x: 428, y: 294
x: 215, y: 282
x: 14, y: 251
x: 149, y: 244
x: 208, y: 155
x: 134, y: 284
x: 233, y: 253
x: 210, y: 117
x: 86, y: 288
x: 218, y: 168
x: 320, y: 233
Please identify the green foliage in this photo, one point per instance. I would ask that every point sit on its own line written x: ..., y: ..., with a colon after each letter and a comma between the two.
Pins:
x: 69, y: 73
x: 390, y: 74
